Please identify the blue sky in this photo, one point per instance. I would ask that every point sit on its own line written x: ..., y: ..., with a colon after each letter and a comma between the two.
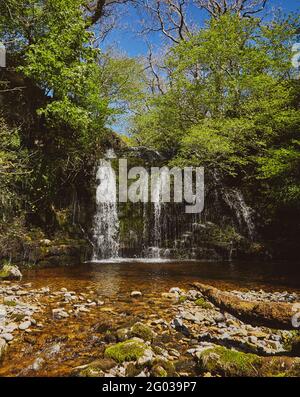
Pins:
x: 126, y: 39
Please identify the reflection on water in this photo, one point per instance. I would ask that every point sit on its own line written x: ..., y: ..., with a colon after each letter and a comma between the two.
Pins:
x: 113, y: 278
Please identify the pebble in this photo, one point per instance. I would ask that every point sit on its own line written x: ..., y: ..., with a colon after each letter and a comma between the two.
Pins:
x: 7, y: 336
x: 135, y: 294
x: 23, y: 326
x: 263, y: 296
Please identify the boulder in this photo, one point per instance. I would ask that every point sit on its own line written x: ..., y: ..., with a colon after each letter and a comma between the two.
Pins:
x: 142, y: 331
x: 130, y: 350
x: 10, y: 272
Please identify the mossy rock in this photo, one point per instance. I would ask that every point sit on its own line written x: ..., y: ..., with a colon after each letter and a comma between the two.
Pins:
x: 122, y: 334
x: 10, y: 303
x: 10, y: 272
x: 158, y: 371
x: 142, y: 331
x: 89, y: 373
x: 95, y: 368
x: 18, y: 316
x: 132, y: 370
x: 231, y: 363
x: 201, y: 302
x: 167, y: 365
x: 130, y: 350
x: 104, y: 326
x: 292, y: 342
x: 182, y: 299
x: 226, y: 362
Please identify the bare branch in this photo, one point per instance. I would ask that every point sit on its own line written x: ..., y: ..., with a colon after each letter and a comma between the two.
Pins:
x: 243, y: 8
x: 156, y: 82
x: 167, y: 16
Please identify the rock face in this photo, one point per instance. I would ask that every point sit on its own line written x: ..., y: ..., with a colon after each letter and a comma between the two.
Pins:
x: 269, y: 314
x: 10, y: 272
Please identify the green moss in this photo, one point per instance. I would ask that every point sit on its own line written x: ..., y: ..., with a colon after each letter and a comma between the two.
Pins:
x: 182, y: 299
x: 228, y: 362
x: 158, y: 372
x: 8, y: 271
x: 203, y: 303
x: 142, y: 331
x: 291, y: 339
x: 10, y: 303
x: 132, y: 370
x: 90, y: 373
x: 129, y: 350
x: 168, y: 366
x: 18, y: 317
x: 4, y: 272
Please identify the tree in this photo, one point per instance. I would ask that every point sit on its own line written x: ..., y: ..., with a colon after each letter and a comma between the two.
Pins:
x: 67, y: 93
x: 166, y: 16
x: 243, y: 8
x: 232, y: 106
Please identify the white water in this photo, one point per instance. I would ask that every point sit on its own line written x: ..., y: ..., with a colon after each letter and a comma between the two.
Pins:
x: 235, y: 200
x: 106, y: 222
x: 156, y: 192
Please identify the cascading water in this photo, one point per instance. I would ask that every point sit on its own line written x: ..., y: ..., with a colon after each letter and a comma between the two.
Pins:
x: 243, y: 212
x: 106, y: 222
x: 156, y: 187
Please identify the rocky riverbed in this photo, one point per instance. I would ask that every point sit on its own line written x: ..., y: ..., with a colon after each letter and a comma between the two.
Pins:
x: 47, y: 331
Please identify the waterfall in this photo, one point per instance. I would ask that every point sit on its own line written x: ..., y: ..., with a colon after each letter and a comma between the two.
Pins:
x: 106, y: 222
x: 243, y: 212
x: 157, y: 181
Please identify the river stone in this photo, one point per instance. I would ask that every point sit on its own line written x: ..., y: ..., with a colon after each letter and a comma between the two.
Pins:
x: 188, y: 316
x: 252, y: 339
x: 175, y: 290
x: 147, y: 358
x: 38, y: 363
x: 25, y: 325
x: 136, y: 294
x: 7, y: 336
x: 180, y: 327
